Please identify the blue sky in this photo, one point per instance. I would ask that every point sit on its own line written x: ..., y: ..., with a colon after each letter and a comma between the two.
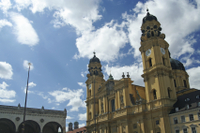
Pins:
x: 59, y: 37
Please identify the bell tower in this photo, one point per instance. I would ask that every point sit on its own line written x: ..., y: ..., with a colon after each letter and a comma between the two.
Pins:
x: 158, y: 76
x: 94, y: 81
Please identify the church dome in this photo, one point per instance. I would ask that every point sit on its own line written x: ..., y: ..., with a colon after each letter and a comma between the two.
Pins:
x: 177, y: 65
x: 94, y: 59
x: 149, y: 17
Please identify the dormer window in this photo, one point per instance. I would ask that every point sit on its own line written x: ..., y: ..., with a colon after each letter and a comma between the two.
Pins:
x: 187, y: 99
x: 177, y: 109
x: 187, y: 106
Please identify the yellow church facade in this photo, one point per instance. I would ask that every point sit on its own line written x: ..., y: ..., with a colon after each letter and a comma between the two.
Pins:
x: 120, y: 106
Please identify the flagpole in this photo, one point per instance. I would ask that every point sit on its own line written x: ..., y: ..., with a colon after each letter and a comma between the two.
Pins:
x: 24, y: 115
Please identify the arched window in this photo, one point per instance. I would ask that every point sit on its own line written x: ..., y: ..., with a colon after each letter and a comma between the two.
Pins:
x: 168, y: 90
x: 150, y: 62
x: 89, y: 93
x: 163, y: 61
x: 154, y: 94
x: 174, y: 82
x: 185, y: 84
x: 90, y: 116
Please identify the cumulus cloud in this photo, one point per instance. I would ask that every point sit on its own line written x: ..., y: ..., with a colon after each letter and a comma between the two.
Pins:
x: 23, y: 30
x: 31, y: 85
x: 82, y: 117
x: 5, y: 5
x: 73, y: 96
x: 171, y: 14
x: 69, y: 118
x: 4, y: 22
x: 194, y: 77
x: 82, y: 125
x: 6, y: 95
x: 135, y: 72
x: 26, y: 65
x: 111, y: 35
x: 82, y: 84
x: 5, y: 70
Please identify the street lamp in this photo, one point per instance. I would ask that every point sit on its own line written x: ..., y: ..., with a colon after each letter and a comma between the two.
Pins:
x: 23, y: 124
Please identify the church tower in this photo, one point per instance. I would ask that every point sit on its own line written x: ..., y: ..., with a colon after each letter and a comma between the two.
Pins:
x: 94, y: 81
x: 157, y: 72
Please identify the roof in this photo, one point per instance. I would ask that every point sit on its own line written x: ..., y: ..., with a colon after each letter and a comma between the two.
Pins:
x: 177, y: 65
x: 94, y: 59
x: 190, y: 99
x: 149, y: 17
x: 77, y: 130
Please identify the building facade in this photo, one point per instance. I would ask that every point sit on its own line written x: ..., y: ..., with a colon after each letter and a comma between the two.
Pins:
x: 37, y: 120
x: 120, y: 106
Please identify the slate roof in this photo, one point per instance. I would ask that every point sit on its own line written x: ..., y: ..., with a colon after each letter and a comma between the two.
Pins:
x: 191, y: 99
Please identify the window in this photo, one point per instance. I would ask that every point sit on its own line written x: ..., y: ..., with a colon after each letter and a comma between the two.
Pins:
x: 187, y: 99
x: 191, y: 116
x: 157, y: 122
x: 163, y: 61
x: 134, y: 126
x: 197, y: 96
x: 182, y: 118
x: 185, y: 84
x: 102, y: 108
x: 150, y: 62
x: 177, y: 109
x: 174, y: 82
x: 198, y: 103
x: 175, y: 120
x: 154, y: 94
x: 199, y: 116
x: 168, y: 92
x: 177, y: 131
x: 113, y: 105
x: 185, y: 130
x: 187, y: 106
x: 194, y: 130
x: 121, y: 99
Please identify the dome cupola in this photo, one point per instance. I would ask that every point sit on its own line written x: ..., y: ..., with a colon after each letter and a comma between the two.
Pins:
x: 176, y: 65
x: 149, y: 17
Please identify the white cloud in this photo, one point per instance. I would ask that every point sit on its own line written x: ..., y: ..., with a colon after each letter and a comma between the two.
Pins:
x: 77, y: 13
x: 4, y: 22
x: 26, y: 65
x: 82, y: 117
x: 81, y: 125
x: 111, y: 35
x: 23, y: 30
x: 69, y: 118
x: 6, y: 95
x: 5, y: 70
x: 135, y: 72
x: 5, y: 5
x: 82, y: 84
x: 194, y: 77
x: 73, y: 96
x: 31, y: 85
x: 171, y: 14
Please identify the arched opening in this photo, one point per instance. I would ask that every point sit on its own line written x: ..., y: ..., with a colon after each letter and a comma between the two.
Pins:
x: 52, y: 127
x: 7, y: 126
x: 163, y: 61
x: 154, y: 94
x: 185, y: 84
x: 174, y: 82
x: 169, y: 91
x: 150, y: 62
x: 30, y: 127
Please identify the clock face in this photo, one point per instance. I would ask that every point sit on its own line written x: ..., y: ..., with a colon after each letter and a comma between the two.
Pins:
x: 162, y: 50
x: 148, y: 52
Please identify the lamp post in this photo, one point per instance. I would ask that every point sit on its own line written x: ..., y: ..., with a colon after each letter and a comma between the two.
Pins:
x: 24, y: 115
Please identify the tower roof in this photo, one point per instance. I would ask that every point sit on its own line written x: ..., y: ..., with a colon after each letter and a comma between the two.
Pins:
x: 175, y: 64
x: 94, y: 59
x: 149, y: 17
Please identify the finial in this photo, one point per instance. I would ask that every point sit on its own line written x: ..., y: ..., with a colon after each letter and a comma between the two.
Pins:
x: 128, y: 75
x: 94, y: 53
x: 123, y: 76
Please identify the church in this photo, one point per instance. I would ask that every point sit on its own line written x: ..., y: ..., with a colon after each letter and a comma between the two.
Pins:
x: 166, y: 104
